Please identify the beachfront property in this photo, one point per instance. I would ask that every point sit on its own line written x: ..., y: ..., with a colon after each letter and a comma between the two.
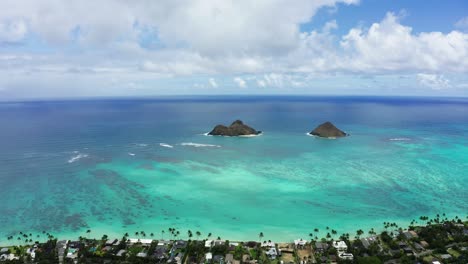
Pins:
x: 437, y: 243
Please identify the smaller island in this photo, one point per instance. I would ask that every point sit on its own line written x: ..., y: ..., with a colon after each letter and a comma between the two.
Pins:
x: 328, y: 130
x: 237, y: 128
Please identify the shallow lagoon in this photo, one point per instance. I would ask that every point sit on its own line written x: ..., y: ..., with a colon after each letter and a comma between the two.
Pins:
x: 70, y: 166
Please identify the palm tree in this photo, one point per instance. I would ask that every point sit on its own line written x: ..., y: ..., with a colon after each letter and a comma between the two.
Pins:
x: 152, y: 235
x: 162, y: 234
x: 209, y: 235
x: 198, y: 233
x: 260, y: 236
x: 316, y: 230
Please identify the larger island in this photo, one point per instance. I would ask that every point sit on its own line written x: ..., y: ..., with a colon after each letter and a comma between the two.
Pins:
x: 237, y: 128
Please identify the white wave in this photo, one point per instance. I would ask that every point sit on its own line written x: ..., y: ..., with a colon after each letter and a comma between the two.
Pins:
x: 165, y: 145
x: 77, y: 157
x: 254, y: 135
x: 131, y: 154
x: 310, y: 135
x: 199, y: 145
x: 400, y: 139
x: 257, y: 135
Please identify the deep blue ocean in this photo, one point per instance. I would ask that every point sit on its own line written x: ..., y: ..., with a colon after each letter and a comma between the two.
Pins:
x: 125, y: 165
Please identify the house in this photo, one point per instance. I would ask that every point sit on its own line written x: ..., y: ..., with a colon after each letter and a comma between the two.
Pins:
x: 300, y: 243
x: 340, y: 246
x: 107, y: 248
x: 4, y: 251
x: 272, y: 253
x: 268, y: 244
x: 321, y: 247
x: 144, y: 242
x: 112, y: 242
x: 160, y: 252
x: 179, y: 257
x: 229, y: 259
x: 208, y: 256
x: 208, y: 243
x: 418, y: 246
x: 121, y: 252
x: 218, y: 259
x: 424, y: 243
x: 445, y: 256
x: 368, y: 241
x: 31, y: 252
x: 179, y: 244
x: 163, y: 242
x: 8, y: 257
x: 142, y: 255
x: 347, y: 256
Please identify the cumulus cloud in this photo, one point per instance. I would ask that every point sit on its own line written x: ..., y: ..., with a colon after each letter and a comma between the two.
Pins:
x: 240, y: 82
x: 433, y: 81
x: 213, y: 83
x: 178, y: 39
x: 391, y: 46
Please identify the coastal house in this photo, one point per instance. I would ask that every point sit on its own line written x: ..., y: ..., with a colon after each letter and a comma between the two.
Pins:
x: 4, y: 251
x: 347, y: 256
x: 268, y: 243
x: 10, y: 257
x: 321, y: 247
x: 300, y: 243
x: 229, y: 259
x: 368, y: 241
x: 160, y: 252
x: 121, y: 253
x: 208, y: 256
x: 142, y: 254
x: 272, y: 253
x: 208, y: 243
x: 340, y: 246
x: 144, y: 242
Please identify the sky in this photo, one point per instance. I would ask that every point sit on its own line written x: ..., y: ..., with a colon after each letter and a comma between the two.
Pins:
x: 114, y: 48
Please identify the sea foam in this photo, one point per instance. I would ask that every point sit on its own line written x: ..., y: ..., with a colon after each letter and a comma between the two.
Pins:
x: 165, y: 145
x: 199, y: 145
x: 400, y: 139
x: 77, y: 157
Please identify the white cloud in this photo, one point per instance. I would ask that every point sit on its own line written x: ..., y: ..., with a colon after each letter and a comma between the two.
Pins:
x: 12, y: 31
x: 434, y: 81
x: 261, y: 83
x: 221, y: 39
x: 213, y: 83
x: 462, y: 23
x: 240, y: 82
x: 391, y: 46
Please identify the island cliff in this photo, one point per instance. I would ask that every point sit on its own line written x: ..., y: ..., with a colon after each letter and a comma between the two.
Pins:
x: 237, y: 128
x: 328, y: 130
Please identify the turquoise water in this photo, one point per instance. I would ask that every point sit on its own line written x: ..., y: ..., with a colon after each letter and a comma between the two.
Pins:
x: 116, y: 166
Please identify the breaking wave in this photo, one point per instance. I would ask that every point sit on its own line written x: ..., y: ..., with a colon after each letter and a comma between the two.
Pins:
x: 165, y: 145
x: 77, y: 157
x: 400, y: 139
x: 199, y: 145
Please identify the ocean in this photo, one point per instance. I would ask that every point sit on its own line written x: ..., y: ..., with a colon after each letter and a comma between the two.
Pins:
x: 125, y: 165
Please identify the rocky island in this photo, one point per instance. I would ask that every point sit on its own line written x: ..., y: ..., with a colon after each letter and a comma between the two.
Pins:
x: 328, y: 130
x: 237, y: 128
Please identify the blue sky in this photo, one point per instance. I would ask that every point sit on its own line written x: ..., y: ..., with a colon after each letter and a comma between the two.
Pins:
x: 57, y: 49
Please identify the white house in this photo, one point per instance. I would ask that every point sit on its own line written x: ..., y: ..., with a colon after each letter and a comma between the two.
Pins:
x: 340, y: 246
x: 348, y: 256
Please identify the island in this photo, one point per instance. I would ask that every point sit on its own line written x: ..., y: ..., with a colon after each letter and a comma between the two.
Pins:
x: 237, y: 128
x: 328, y: 130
